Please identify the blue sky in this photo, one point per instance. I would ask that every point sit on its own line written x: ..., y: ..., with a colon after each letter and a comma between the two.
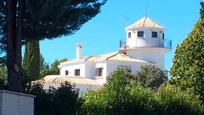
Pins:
x: 102, y: 34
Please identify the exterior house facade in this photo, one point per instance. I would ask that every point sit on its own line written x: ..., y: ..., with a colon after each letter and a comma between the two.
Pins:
x: 144, y: 44
x: 99, y: 67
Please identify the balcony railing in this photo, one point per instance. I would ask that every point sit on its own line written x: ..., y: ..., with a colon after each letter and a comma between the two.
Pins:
x: 122, y: 44
x: 165, y: 43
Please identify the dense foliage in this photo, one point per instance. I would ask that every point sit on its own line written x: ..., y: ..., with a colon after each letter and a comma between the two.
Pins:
x: 124, y: 96
x: 188, y: 66
x: 61, y: 101
x: 48, y: 19
x: 151, y: 76
x: 172, y: 100
x: 121, y: 95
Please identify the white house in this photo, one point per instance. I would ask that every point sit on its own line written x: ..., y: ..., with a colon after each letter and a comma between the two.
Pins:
x: 144, y: 44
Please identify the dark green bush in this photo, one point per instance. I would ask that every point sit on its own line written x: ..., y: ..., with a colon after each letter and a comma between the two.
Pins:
x: 3, y: 84
x: 151, y: 76
x: 61, y: 101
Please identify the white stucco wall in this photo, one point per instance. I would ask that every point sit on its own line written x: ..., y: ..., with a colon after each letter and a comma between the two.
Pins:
x: 113, y: 65
x: 89, y: 70
x: 71, y: 68
x: 102, y: 64
x: 147, y: 40
x: 149, y: 54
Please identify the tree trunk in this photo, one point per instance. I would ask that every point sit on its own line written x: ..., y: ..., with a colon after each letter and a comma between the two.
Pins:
x: 18, y: 60
x: 14, y: 46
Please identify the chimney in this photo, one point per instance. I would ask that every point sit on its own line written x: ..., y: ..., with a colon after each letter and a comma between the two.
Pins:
x: 78, y: 51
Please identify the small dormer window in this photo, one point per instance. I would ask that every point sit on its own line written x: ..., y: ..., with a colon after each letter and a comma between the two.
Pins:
x: 154, y: 34
x: 140, y: 34
x: 129, y: 34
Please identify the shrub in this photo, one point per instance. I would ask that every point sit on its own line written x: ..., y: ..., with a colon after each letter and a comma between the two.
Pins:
x: 139, y: 100
x: 124, y: 96
x: 120, y: 95
x: 174, y: 101
x: 151, y: 77
x: 61, y: 101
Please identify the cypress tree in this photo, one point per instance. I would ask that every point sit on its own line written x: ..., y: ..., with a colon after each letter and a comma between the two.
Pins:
x: 31, y: 61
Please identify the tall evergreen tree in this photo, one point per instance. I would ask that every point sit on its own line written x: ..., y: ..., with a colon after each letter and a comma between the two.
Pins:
x: 31, y: 61
x: 188, y: 66
x: 40, y: 19
x: 54, y: 70
x: 44, y: 67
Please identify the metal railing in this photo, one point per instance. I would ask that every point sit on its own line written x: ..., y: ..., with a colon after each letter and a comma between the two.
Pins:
x: 165, y: 43
x: 122, y: 44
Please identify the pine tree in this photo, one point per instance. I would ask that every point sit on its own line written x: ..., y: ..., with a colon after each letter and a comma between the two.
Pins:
x: 53, y: 18
x: 37, y: 20
x: 188, y: 66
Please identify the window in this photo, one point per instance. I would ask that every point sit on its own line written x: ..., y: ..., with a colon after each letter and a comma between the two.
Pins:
x: 99, y: 71
x: 77, y: 72
x: 66, y: 72
x: 163, y: 35
x: 129, y: 34
x: 154, y: 34
x: 140, y: 34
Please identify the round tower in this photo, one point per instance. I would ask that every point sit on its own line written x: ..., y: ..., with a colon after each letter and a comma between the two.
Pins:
x: 145, y: 40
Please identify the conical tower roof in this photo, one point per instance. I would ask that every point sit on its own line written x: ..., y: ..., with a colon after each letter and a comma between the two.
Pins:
x: 145, y: 23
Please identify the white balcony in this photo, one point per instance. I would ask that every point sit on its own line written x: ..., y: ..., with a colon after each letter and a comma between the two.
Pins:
x: 164, y: 43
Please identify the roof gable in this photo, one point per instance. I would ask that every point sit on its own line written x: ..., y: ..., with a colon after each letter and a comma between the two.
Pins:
x: 145, y: 23
x: 114, y: 56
